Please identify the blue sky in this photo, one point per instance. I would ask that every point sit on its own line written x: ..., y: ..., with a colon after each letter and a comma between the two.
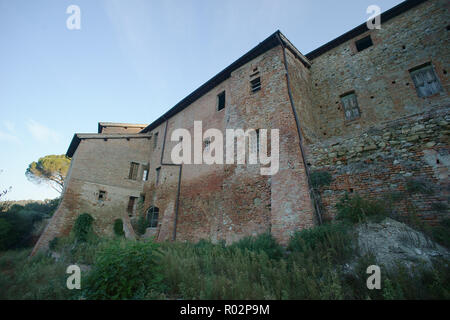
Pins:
x: 131, y: 61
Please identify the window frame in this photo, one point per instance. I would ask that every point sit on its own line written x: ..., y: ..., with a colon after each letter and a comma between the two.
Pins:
x: 222, y: 94
x: 101, y: 195
x: 363, y: 47
x: 134, y: 170
x: 131, y: 205
x: 423, y: 68
x: 345, y: 97
x: 255, y: 85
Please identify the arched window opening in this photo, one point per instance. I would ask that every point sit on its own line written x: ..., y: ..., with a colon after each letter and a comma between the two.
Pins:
x: 152, y: 217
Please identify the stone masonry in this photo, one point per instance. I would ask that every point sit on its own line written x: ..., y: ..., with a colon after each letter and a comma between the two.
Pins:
x: 125, y: 170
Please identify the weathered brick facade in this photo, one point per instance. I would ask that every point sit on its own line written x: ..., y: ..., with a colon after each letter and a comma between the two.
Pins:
x: 398, y: 135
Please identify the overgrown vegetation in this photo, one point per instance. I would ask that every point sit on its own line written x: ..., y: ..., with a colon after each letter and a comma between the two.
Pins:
x: 82, y: 228
x: 17, y: 222
x: 320, y: 179
x: 319, y: 263
x: 358, y: 209
x: 118, y: 228
x: 125, y: 270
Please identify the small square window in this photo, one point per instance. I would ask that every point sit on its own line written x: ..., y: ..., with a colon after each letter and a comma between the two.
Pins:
x: 255, y: 84
x: 221, y: 101
x: 425, y: 80
x: 101, y: 195
x: 351, y: 108
x: 364, y: 43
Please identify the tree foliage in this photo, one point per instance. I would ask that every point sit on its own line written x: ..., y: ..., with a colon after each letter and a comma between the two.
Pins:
x: 51, y: 169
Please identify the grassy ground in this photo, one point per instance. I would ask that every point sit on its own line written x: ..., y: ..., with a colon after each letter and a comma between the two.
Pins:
x: 313, y: 267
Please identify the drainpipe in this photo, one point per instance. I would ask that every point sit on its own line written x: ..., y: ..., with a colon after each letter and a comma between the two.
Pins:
x: 300, y: 138
x: 174, y: 235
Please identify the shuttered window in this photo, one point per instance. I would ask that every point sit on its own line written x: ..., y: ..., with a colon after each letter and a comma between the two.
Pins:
x: 134, y: 167
x: 255, y: 84
x: 350, y: 105
x: 426, y: 81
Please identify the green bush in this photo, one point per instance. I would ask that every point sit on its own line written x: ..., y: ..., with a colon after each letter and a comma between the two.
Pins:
x: 5, y: 231
x: 439, y: 206
x: 441, y: 233
x: 124, y: 270
x: 83, y: 227
x: 52, y: 245
x: 142, y: 225
x: 357, y: 209
x: 333, y: 239
x: 16, y: 226
x: 261, y: 243
x: 36, y: 278
x: 419, y: 186
x: 320, y: 179
x: 118, y: 228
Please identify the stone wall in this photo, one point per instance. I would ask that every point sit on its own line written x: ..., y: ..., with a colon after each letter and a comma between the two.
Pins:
x: 379, y: 75
x: 379, y: 162
x: 228, y: 202
x: 99, y: 165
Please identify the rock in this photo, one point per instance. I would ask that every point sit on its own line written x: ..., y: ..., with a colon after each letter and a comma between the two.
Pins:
x: 412, y: 138
x: 370, y: 147
x: 418, y: 128
x: 430, y: 144
x: 393, y: 242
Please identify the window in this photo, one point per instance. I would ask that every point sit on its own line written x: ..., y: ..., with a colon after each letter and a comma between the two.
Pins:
x: 207, y: 143
x: 134, y: 167
x: 221, y: 101
x: 255, y: 146
x: 257, y: 140
x: 255, y: 84
x: 131, y: 203
x: 101, y: 195
x: 350, y: 105
x: 364, y: 43
x: 155, y: 140
x: 426, y: 81
x: 152, y: 217
x: 158, y: 171
x: 145, y: 173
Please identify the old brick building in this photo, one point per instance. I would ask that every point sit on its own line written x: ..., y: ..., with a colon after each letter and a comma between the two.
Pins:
x: 370, y: 107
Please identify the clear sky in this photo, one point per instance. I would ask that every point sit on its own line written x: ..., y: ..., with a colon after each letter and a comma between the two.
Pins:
x: 131, y: 61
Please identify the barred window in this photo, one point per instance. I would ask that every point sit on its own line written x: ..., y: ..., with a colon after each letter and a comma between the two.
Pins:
x: 350, y: 105
x: 425, y: 80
